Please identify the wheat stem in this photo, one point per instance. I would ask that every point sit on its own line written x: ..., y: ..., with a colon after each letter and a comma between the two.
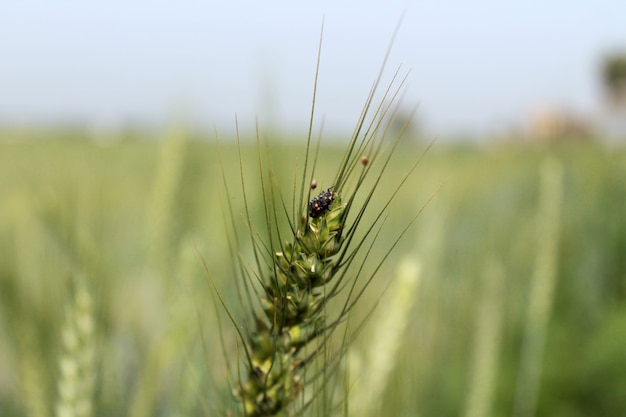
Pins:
x: 380, y: 358
x: 161, y: 210
x: 487, y: 341
x: 542, y: 289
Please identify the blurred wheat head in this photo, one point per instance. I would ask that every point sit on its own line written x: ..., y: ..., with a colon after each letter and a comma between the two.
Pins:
x: 77, y: 364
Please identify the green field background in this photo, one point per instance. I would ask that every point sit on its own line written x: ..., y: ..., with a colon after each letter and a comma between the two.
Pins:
x: 128, y: 222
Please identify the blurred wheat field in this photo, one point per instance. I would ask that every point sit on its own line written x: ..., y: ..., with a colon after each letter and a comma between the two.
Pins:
x: 127, y: 222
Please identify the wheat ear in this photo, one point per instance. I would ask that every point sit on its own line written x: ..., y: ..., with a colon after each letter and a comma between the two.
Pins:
x: 299, y: 272
x: 77, y: 364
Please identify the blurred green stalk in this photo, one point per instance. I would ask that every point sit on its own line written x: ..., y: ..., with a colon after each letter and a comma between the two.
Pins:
x: 542, y: 289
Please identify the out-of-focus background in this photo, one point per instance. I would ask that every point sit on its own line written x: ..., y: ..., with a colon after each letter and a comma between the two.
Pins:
x: 478, y: 68
x: 109, y: 178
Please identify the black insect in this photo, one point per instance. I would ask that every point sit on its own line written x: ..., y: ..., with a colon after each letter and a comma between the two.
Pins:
x: 320, y: 204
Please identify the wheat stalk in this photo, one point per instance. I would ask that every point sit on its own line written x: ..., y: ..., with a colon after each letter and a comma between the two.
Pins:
x: 32, y: 376
x: 542, y: 288
x: 371, y: 377
x: 162, y: 208
x: 487, y: 343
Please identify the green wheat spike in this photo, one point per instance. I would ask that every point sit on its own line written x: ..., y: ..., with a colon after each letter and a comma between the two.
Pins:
x: 77, y: 364
x: 291, y: 315
x: 296, y: 274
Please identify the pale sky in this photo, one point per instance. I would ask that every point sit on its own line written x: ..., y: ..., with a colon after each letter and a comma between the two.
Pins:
x: 475, y: 65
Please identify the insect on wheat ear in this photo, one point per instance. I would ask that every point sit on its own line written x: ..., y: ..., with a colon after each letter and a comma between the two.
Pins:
x: 321, y: 204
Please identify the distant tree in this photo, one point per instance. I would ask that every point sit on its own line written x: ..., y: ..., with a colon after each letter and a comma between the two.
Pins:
x: 614, y: 78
